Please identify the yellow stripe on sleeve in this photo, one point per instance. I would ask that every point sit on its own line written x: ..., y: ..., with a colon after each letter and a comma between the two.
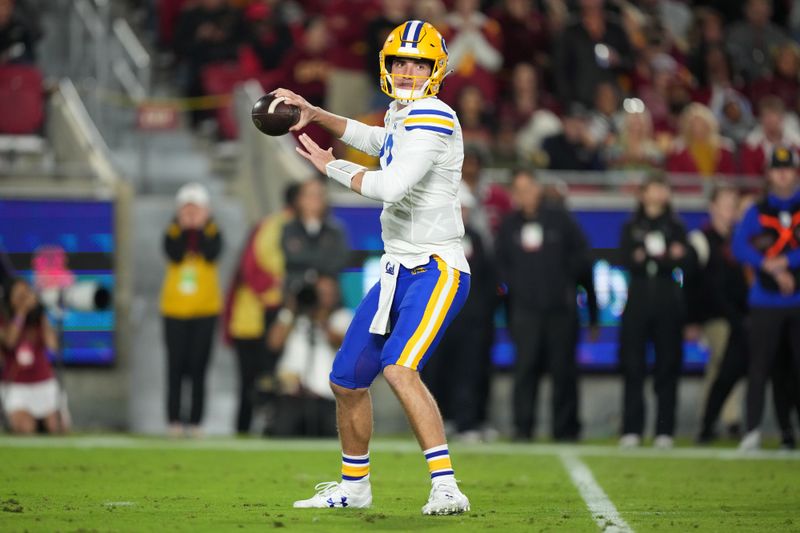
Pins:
x: 430, y: 120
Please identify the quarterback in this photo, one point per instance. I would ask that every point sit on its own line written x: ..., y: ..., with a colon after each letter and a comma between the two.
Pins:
x: 424, y: 273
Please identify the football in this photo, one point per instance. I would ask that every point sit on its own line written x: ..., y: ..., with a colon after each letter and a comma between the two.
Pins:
x: 271, y: 115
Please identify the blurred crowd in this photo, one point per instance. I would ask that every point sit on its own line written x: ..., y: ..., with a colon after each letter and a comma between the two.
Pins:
x: 566, y: 85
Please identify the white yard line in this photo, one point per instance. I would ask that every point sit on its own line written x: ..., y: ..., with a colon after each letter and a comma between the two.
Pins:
x: 604, y: 513
x: 380, y: 445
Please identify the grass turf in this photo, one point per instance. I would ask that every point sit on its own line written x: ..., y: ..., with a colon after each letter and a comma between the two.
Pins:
x: 148, y: 484
x: 220, y: 490
x: 674, y: 494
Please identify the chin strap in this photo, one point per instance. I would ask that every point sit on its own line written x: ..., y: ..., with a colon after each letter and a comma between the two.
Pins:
x: 343, y: 171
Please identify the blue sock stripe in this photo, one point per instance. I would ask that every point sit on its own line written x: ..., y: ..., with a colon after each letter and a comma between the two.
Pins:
x: 442, y: 473
x: 355, y: 461
x: 353, y: 478
x: 439, y: 453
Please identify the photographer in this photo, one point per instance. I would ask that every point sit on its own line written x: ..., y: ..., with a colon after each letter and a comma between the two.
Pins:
x: 309, y: 330
x: 29, y: 388
x: 190, y: 302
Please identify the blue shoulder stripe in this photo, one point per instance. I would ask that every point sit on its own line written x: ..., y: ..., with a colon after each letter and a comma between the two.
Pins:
x: 437, y: 129
x: 430, y: 112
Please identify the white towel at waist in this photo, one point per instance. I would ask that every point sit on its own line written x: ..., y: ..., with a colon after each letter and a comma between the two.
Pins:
x: 390, y: 268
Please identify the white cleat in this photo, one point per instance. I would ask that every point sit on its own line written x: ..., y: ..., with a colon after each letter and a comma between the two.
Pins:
x: 332, y: 494
x: 630, y: 440
x: 663, y: 442
x: 751, y: 441
x: 445, y: 498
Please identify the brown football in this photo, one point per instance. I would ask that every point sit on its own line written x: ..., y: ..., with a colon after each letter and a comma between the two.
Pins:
x: 271, y: 115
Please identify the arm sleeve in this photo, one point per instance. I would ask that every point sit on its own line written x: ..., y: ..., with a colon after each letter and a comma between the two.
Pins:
x: 486, y: 55
x: 627, y: 247
x: 742, y: 249
x: 175, y: 243
x: 368, y: 139
x: 210, y: 241
x: 410, y: 164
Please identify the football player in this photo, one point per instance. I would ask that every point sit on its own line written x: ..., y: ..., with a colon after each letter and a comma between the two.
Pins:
x: 425, y: 275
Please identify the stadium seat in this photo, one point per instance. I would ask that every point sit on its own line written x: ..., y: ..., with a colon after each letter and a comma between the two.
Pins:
x: 21, y: 100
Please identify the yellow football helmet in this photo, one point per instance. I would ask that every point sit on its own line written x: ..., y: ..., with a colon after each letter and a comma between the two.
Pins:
x: 417, y: 40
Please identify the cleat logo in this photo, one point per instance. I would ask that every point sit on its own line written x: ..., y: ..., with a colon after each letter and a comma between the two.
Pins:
x: 343, y: 502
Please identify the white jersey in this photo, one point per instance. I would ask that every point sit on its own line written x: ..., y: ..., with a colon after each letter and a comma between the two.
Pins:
x: 421, y: 151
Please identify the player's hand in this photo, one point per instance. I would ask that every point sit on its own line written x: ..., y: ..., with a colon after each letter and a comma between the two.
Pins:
x: 773, y: 265
x: 786, y: 282
x: 318, y: 157
x: 307, y: 111
x: 677, y: 250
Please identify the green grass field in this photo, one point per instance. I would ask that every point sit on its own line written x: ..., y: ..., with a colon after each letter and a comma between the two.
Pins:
x: 141, y: 484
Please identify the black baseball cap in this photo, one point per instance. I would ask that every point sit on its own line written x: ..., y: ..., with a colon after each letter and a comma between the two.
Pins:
x: 783, y: 157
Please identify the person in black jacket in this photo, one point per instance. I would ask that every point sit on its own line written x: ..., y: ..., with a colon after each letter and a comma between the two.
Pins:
x: 717, y: 306
x: 541, y: 251
x: 653, y: 248
x: 313, y: 243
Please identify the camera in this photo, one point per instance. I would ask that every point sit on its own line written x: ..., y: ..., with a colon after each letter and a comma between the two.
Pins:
x: 306, y: 298
x: 80, y: 296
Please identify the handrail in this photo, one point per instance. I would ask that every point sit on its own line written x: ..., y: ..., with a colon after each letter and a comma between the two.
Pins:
x: 130, y: 43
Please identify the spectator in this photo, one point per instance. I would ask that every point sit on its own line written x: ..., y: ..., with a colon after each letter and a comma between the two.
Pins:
x: 783, y: 81
x: 492, y: 200
x: 308, y: 331
x: 736, y: 119
x: 765, y: 242
x: 708, y: 31
x: 19, y: 32
x: 529, y: 113
x: 313, y: 243
x: 526, y: 37
x: 267, y: 39
x: 459, y: 374
x: 307, y: 69
x: 636, y: 147
x: 207, y: 32
x: 590, y: 50
x: 252, y: 303
x: 652, y: 246
x: 349, y: 86
x: 475, y: 115
x: 661, y: 75
x: 717, y: 307
x: 772, y: 131
x: 700, y: 149
x: 604, y: 119
x: 190, y: 302
x: 718, y: 84
x: 753, y: 41
x: 541, y: 252
x: 29, y: 389
x: 572, y: 149
x: 474, y: 42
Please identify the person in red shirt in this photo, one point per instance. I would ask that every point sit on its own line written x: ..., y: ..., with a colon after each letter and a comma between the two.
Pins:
x: 783, y: 82
x: 700, y: 149
x: 29, y: 388
x: 771, y: 132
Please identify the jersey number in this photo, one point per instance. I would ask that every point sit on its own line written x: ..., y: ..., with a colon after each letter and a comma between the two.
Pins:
x: 387, y: 149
